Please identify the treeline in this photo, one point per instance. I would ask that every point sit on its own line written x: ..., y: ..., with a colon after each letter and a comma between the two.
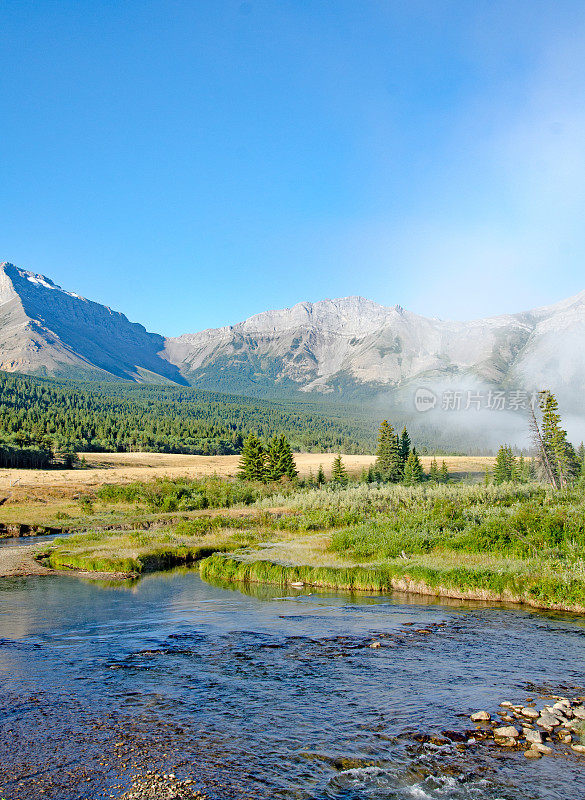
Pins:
x: 62, y: 416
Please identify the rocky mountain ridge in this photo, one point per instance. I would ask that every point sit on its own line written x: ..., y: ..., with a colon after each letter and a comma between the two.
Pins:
x: 341, y: 347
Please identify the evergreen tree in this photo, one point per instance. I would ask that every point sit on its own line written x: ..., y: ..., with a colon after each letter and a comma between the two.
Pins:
x: 560, y: 453
x: 280, y: 460
x: 413, y: 471
x: 252, y: 464
x: 443, y: 473
x: 320, y: 476
x: 339, y: 473
x: 434, y: 471
x: 389, y: 463
x: 505, y: 466
x: 405, y: 444
x: 522, y: 470
x: 373, y: 476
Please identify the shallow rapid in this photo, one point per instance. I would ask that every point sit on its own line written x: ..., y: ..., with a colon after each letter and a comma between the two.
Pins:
x: 259, y: 695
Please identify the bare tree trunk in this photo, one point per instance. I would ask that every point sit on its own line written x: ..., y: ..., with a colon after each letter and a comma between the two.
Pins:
x: 543, y: 455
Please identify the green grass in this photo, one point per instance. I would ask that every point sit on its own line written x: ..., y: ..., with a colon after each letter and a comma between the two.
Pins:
x: 524, y: 585
x: 138, y: 552
x: 522, y: 543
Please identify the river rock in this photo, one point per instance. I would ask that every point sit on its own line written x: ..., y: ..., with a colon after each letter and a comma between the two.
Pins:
x: 480, y: 716
x: 529, y: 713
x: 579, y: 712
x: 506, y: 742
x: 547, y: 721
x: 578, y: 748
x: 543, y: 749
x: 507, y: 732
x: 375, y: 645
x: 534, y: 737
x: 532, y: 753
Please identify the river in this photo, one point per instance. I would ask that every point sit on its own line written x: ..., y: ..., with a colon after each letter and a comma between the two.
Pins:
x: 258, y: 695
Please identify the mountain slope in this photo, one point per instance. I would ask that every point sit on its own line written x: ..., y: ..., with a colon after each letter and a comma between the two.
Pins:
x: 46, y: 330
x: 348, y: 347
x: 333, y: 344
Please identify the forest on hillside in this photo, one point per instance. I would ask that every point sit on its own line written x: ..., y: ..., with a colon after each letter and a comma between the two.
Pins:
x: 47, y: 415
x: 40, y: 413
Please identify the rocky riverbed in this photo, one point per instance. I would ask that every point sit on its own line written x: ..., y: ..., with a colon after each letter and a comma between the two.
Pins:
x: 548, y: 726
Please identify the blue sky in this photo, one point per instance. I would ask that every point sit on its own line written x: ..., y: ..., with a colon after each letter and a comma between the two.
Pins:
x: 193, y: 163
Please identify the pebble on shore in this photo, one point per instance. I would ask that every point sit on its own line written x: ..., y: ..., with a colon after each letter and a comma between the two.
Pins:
x: 155, y: 786
x: 558, y: 722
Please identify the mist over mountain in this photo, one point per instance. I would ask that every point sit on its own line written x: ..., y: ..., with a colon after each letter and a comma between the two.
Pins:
x: 347, y: 349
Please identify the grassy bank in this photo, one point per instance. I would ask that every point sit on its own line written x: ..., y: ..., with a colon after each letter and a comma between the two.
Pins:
x: 500, y: 582
x: 519, y: 543
x: 515, y: 543
x: 137, y: 552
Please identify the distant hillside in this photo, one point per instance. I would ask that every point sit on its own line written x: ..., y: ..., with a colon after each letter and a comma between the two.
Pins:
x: 124, y: 416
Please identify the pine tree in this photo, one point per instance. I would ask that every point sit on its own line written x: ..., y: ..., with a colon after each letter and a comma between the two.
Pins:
x: 405, y: 444
x: 389, y: 462
x: 413, y: 471
x: 252, y: 464
x: 434, y: 471
x: 320, y: 476
x: 443, y: 473
x: 373, y: 476
x: 560, y: 452
x: 522, y: 473
x: 505, y: 466
x: 281, y: 463
x: 338, y: 472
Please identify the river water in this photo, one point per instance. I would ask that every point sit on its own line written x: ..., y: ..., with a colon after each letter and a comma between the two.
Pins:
x: 258, y: 695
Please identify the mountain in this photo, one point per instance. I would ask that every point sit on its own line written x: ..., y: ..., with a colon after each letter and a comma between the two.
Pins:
x: 349, y: 347
x: 45, y: 330
x: 341, y: 345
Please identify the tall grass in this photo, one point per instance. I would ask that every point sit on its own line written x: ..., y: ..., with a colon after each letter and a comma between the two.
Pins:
x: 181, y: 494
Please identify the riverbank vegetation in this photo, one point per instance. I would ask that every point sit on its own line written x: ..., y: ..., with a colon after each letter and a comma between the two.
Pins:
x: 521, y: 543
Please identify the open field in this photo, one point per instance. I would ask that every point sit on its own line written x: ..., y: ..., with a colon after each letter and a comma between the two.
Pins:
x: 129, y: 467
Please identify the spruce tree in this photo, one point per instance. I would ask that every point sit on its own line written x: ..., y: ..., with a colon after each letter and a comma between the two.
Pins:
x: 504, y: 465
x: 280, y: 460
x: 434, y: 471
x: 252, y: 464
x: 405, y: 444
x: 413, y: 471
x: 443, y: 473
x: 338, y: 472
x: 389, y: 462
x: 373, y: 476
x: 320, y: 476
x: 560, y: 452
